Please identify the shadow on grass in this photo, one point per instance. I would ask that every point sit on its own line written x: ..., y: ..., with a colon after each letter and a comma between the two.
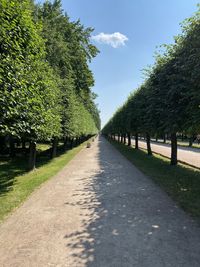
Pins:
x: 11, y: 168
x: 181, y: 182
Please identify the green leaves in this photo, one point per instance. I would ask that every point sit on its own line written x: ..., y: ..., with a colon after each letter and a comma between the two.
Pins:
x: 68, y: 51
x: 168, y: 100
x: 45, y: 81
x: 28, y: 88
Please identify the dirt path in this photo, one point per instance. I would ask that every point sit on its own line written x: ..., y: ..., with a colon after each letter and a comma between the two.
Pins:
x: 99, y: 211
x: 185, y: 154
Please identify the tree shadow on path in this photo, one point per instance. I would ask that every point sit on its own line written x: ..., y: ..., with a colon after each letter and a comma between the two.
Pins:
x: 128, y: 221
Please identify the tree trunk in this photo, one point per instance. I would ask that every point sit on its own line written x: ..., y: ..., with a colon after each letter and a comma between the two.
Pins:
x: 190, y: 141
x: 121, y: 138
x: 12, y: 148
x: 76, y: 141
x: 173, y: 149
x: 129, y: 139
x: 2, y: 144
x: 118, y: 137
x: 24, y: 145
x: 124, y: 139
x: 136, y: 141
x: 148, y: 140
x: 54, y: 147
x: 65, y: 143
x: 72, y: 141
x: 164, y: 138
x: 32, y: 156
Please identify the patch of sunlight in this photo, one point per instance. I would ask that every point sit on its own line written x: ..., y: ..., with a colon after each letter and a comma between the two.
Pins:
x: 155, y: 226
x: 184, y: 189
x: 115, y: 232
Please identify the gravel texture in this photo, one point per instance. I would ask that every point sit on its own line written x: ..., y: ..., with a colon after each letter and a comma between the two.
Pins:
x: 99, y: 211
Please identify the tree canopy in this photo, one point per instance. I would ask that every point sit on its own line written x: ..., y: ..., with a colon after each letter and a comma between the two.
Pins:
x: 169, y: 99
x: 45, y: 79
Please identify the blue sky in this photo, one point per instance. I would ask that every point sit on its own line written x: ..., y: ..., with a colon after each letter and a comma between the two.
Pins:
x: 146, y: 24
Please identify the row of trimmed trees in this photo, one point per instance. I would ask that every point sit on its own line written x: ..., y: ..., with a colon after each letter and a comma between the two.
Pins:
x: 168, y: 102
x: 45, y: 80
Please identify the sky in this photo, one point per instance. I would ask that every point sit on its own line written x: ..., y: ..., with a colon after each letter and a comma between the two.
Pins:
x: 127, y: 33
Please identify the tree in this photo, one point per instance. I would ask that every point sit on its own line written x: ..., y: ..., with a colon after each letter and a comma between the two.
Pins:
x: 169, y: 99
x: 29, y: 100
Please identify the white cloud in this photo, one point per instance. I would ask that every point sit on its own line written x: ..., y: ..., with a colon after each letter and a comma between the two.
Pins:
x: 115, y: 39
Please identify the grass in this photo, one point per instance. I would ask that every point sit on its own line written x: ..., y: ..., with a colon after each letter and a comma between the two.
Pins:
x: 181, y: 182
x: 43, y: 147
x: 185, y: 144
x: 16, y: 184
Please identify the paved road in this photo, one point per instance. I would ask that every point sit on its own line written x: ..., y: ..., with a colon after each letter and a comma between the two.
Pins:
x: 185, y: 154
x: 99, y: 211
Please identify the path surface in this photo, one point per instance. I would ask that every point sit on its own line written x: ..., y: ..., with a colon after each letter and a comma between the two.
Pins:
x: 100, y: 211
x: 185, y: 154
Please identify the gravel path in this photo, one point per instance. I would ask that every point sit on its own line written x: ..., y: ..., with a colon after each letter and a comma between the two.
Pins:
x: 99, y: 211
x: 185, y: 154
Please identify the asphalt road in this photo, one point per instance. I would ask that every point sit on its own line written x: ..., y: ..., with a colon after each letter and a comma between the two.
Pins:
x: 185, y: 154
x: 99, y: 211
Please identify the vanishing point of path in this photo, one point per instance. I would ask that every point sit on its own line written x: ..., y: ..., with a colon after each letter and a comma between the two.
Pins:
x: 99, y: 211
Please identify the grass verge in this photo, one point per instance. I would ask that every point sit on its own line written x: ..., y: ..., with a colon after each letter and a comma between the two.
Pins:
x: 181, y: 182
x: 16, y: 185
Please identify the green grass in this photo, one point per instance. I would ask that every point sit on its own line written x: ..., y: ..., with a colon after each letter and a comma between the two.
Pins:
x: 181, y: 182
x: 16, y: 184
x: 43, y: 147
x: 185, y: 144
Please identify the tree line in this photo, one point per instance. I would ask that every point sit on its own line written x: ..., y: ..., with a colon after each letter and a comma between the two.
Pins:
x: 45, y: 79
x: 168, y: 102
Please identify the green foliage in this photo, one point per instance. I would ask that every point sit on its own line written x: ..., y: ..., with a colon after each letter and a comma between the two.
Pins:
x: 45, y: 80
x: 29, y: 94
x: 169, y: 99
x: 68, y: 52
